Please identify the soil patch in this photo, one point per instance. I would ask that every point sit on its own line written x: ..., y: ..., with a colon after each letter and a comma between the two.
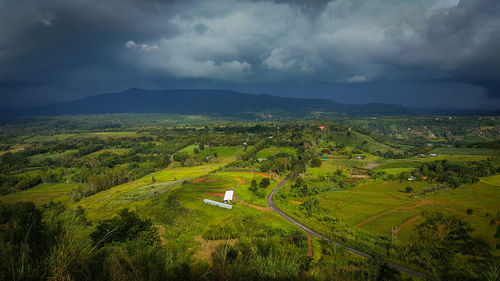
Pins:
x: 257, y: 207
x: 372, y: 165
x: 408, y: 222
x: 360, y: 176
x: 264, y: 175
x: 239, y: 180
x: 204, y: 180
x: 207, y: 247
x: 310, y: 246
x: 199, y: 180
x: 215, y: 193
x: 161, y: 232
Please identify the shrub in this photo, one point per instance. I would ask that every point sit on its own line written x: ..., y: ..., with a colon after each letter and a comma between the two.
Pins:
x: 316, y: 162
x: 265, y: 182
x: 125, y: 227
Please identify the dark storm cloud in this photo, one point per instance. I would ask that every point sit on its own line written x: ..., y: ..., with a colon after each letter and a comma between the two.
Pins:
x: 53, y: 50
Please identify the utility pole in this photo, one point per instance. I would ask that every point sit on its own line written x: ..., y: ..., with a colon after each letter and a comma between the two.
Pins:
x: 394, y: 232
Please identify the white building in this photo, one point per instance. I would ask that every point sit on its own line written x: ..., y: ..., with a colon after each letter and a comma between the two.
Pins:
x: 228, y: 197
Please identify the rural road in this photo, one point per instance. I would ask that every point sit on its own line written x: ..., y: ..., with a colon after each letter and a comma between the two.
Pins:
x: 269, y: 200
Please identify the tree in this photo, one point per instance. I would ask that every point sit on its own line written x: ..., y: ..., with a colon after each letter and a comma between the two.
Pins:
x: 253, y: 186
x: 316, y: 162
x: 126, y: 226
x: 310, y: 204
x: 265, y: 182
x: 408, y: 189
x: 196, y: 151
x: 201, y: 146
x: 181, y: 157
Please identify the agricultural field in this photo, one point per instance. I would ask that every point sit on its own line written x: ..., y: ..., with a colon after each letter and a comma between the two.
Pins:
x: 363, y: 189
x: 44, y: 193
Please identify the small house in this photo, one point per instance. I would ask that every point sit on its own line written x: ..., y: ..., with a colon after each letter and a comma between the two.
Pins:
x: 228, y: 197
x: 262, y: 160
x: 361, y: 157
x: 433, y: 154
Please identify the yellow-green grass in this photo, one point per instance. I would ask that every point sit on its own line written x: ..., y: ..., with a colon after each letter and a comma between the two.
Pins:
x: 493, y: 180
x: 109, y: 202
x: 13, y: 149
x: 189, y: 149
x: 273, y: 150
x: 222, y: 151
x: 93, y: 134
x: 43, y: 193
x: 414, y: 162
x: 184, y: 214
x: 455, y: 158
x: 50, y: 155
x: 333, y: 163
x: 465, y: 151
x: 356, y: 138
x: 241, y: 189
x: 119, y: 151
x: 397, y: 171
x: 376, y: 206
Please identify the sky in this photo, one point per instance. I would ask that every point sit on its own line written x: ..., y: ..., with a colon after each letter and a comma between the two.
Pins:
x: 421, y: 53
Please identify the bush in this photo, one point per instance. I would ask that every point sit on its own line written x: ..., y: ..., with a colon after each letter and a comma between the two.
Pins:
x: 408, y: 189
x: 469, y: 211
x: 253, y: 186
x: 265, y: 182
x: 127, y: 226
x: 316, y: 162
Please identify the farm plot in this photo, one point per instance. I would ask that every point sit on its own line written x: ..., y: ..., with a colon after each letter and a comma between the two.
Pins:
x: 377, y: 206
x: 43, y: 193
x: 188, y: 220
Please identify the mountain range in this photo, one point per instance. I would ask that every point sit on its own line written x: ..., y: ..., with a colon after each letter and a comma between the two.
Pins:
x: 211, y: 102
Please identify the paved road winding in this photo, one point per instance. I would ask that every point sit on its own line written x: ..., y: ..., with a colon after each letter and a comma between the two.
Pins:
x: 269, y: 200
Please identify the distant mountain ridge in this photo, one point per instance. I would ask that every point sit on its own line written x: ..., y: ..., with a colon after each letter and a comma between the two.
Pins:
x: 214, y: 102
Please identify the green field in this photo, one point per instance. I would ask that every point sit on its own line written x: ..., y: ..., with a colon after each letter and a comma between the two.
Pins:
x: 108, y: 202
x: 376, y: 205
x: 464, y: 150
x: 43, y: 193
x: 271, y: 151
x: 155, y: 168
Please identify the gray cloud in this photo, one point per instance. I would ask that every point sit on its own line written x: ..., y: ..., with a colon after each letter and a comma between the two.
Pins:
x: 63, y: 50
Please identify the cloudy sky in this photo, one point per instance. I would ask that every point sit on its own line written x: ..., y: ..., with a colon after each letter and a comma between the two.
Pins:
x: 419, y: 53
